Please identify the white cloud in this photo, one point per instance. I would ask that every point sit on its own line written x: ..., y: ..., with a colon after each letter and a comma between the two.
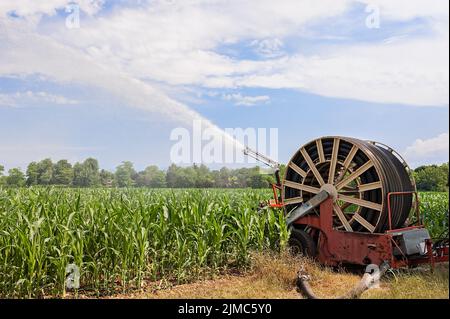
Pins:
x: 435, y: 149
x: 268, y: 48
x: 37, y: 54
x: 405, y: 72
x: 240, y: 99
x: 35, y: 9
x: 168, y: 42
x: 176, y: 43
x: 31, y: 98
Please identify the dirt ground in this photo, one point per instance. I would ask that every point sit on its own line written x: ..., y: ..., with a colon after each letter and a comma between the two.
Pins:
x: 274, y: 277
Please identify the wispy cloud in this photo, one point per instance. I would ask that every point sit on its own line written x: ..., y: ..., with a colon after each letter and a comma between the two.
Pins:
x: 245, y: 100
x: 31, y: 98
x: 431, y: 149
x: 268, y: 48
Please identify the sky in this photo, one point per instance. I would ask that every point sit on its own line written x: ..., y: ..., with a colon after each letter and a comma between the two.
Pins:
x: 114, y: 79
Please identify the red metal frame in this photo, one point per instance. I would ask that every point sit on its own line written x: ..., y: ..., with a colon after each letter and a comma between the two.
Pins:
x: 276, y: 203
x: 337, y: 247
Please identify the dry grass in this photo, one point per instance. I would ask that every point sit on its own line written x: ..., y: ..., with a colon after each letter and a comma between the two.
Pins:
x: 273, y: 276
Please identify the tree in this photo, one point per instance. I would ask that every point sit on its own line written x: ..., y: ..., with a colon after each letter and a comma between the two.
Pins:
x: 32, y: 174
x: 124, y: 174
x: 203, y: 176
x: 86, y: 174
x: 222, y: 178
x: 62, y: 173
x: 15, y: 178
x: 152, y: 177
x: 181, y: 177
x: 432, y: 177
x: 91, y: 171
x: 2, y: 178
x: 45, y: 172
x: 106, y: 178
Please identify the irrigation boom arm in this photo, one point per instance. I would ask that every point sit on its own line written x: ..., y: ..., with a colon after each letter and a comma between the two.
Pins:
x: 264, y: 159
x: 261, y: 158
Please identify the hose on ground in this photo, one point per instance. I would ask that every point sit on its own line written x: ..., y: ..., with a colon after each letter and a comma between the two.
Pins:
x: 365, y: 283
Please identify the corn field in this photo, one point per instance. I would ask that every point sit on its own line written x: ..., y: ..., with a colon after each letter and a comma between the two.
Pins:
x: 434, y: 208
x: 118, y: 238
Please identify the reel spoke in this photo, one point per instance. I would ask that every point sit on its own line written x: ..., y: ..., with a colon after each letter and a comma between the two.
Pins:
x: 342, y: 218
x: 332, y: 170
x: 346, y: 164
x: 360, y: 202
x: 364, y: 223
x: 320, y: 151
x: 294, y: 200
x: 354, y: 175
x: 306, y: 188
x: 369, y: 186
x: 297, y: 169
x: 312, y: 167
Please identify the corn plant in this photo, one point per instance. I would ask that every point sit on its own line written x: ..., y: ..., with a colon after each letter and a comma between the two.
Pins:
x: 119, y: 238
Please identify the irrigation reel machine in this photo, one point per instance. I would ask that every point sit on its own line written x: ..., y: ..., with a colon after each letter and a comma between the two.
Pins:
x: 353, y: 202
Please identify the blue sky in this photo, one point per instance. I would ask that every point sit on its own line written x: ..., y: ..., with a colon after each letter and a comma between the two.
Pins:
x: 116, y: 86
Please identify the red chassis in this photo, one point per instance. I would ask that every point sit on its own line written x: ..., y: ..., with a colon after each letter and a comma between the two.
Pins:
x: 337, y: 247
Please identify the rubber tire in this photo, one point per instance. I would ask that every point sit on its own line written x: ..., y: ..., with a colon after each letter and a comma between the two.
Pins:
x: 301, y: 243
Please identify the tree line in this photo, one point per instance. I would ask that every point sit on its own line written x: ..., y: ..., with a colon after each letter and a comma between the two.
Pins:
x: 88, y: 174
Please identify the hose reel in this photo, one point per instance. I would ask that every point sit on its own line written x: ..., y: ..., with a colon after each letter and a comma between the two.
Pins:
x: 359, y: 175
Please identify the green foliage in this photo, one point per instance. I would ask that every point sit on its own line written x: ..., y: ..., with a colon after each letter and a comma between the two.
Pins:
x: 33, y: 174
x: 15, y: 178
x: 2, y: 178
x: 86, y: 174
x: 151, y: 177
x: 106, y: 178
x: 125, y: 174
x: 119, y: 237
x: 45, y: 172
x: 62, y: 173
x: 434, y: 209
x: 432, y: 178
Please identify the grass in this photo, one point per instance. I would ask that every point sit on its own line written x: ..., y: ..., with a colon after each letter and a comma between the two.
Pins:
x: 273, y: 276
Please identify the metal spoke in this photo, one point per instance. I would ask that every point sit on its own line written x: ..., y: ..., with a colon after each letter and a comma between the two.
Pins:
x: 364, y: 223
x: 360, y: 202
x: 293, y: 200
x: 297, y: 169
x: 369, y: 186
x: 354, y: 175
x: 320, y: 151
x: 306, y: 188
x: 334, y: 155
x: 342, y: 218
x: 312, y: 166
x: 347, y: 162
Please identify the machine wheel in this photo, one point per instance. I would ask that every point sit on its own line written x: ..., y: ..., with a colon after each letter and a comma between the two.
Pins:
x: 301, y: 243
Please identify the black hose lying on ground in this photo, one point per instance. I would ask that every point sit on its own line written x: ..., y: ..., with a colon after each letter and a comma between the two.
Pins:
x: 365, y: 283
